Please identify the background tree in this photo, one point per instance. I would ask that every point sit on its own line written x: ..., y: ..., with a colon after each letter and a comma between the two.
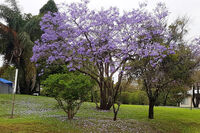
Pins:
x: 173, y: 96
x: 174, y: 70
x: 178, y: 30
x: 49, y: 6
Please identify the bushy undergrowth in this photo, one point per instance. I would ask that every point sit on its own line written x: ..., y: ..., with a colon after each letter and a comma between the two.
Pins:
x: 70, y: 90
x: 137, y: 97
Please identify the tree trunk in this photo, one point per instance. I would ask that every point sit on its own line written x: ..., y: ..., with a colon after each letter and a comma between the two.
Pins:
x: 165, y: 100
x: 115, y: 111
x: 70, y: 114
x: 106, y: 96
x: 92, y: 97
x: 105, y: 105
x: 195, y: 100
x: 103, y: 101
x: 24, y: 88
x: 115, y: 117
x: 151, y: 109
x: 197, y: 96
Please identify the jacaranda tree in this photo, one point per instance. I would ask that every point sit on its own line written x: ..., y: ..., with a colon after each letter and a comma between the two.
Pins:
x: 100, y: 43
x: 173, y: 72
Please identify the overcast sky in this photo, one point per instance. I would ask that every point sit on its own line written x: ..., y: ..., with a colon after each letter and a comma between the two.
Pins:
x: 189, y: 8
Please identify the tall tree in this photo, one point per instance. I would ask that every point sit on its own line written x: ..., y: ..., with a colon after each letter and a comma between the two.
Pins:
x: 99, y: 43
x: 16, y: 38
x: 178, y: 30
x: 33, y: 29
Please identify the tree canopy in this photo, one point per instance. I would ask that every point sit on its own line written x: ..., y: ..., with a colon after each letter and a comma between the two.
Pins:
x: 49, y: 6
x: 99, y: 43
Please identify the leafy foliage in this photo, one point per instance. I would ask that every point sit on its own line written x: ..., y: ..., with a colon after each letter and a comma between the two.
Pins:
x: 7, y: 72
x: 137, y: 98
x: 70, y: 90
x: 174, y: 71
x: 49, y: 6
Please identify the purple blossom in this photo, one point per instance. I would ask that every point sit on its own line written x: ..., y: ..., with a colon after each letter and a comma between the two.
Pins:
x: 128, y: 68
x: 70, y: 65
x: 93, y: 38
x: 72, y: 69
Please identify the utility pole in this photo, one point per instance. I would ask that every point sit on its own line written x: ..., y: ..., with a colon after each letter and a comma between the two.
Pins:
x: 192, y: 97
x: 14, y: 92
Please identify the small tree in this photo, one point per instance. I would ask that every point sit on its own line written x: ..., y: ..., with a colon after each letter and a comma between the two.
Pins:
x: 173, y: 70
x: 70, y: 90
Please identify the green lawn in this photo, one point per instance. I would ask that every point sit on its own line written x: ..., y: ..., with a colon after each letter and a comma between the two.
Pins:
x: 41, y: 115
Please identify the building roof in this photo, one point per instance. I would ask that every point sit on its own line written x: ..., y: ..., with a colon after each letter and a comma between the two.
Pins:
x: 6, y: 81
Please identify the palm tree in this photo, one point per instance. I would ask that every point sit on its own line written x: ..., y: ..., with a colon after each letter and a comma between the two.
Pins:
x: 17, y: 38
x: 15, y: 41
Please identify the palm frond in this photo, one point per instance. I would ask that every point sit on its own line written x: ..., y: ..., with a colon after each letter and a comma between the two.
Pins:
x: 32, y: 24
x: 25, y: 40
x: 14, y: 5
x: 3, y: 44
x: 11, y: 15
x: 32, y: 27
x: 6, y: 13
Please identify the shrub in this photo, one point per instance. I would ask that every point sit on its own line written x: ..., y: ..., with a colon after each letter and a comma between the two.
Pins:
x: 70, y: 90
x: 139, y: 98
x: 125, y: 98
x: 142, y: 98
x: 134, y: 98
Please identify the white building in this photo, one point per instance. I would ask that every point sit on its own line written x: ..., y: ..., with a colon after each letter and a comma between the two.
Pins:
x: 187, y: 101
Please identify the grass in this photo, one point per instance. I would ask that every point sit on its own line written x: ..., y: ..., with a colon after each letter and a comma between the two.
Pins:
x: 37, y: 114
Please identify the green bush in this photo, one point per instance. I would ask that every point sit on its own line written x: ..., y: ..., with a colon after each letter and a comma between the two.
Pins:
x: 70, y: 90
x: 171, y: 100
x: 137, y: 97
x: 142, y: 98
x: 125, y: 98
